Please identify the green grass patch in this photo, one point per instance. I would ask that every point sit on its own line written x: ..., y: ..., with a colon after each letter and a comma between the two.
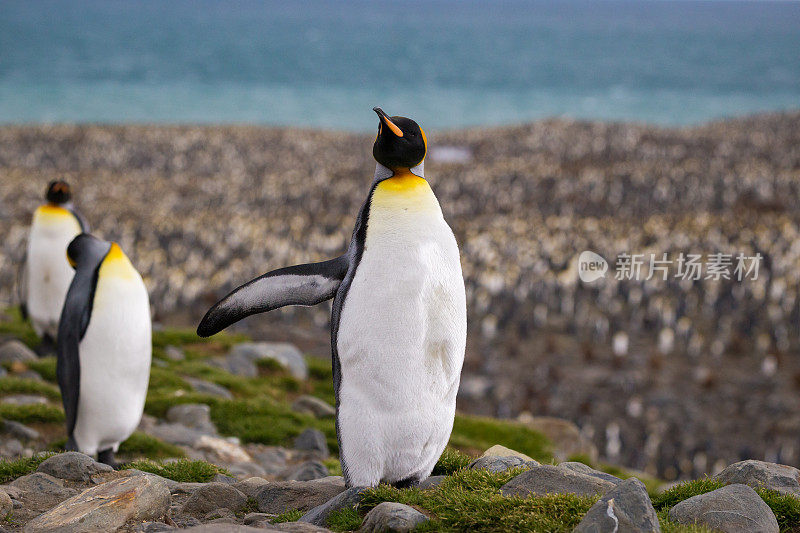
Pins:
x: 182, y: 470
x: 12, y: 324
x: 334, y: 466
x: 470, y: 500
x: 346, y: 519
x: 682, y: 491
x: 46, y: 367
x: 163, y: 379
x: 785, y: 507
x: 27, y: 414
x: 450, y: 462
x: 140, y: 444
x: 11, y: 469
x: 288, y: 516
x: 15, y: 385
x: 181, y: 337
x: 481, y: 433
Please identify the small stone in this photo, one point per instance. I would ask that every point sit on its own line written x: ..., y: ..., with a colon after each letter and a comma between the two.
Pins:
x: 222, y: 478
x: 206, y: 387
x: 566, y: 437
x: 224, y: 528
x: 220, y: 450
x: 237, y: 364
x: 106, y: 507
x: 15, y: 350
x: 731, y: 509
x: 251, y: 486
x: 73, y: 466
x: 153, y: 527
x: 221, y: 515
x: 625, y: 509
x: 25, y: 399
x: 273, y: 459
x: 314, y: 406
x: 431, y: 482
x: 312, y: 440
x: 254, y: 518
x: 20, y: 431
x: 193, y: 415
x: 501, y: 451
x: 212, y: 496
x: 275, y: 498
x: 29, y: 374
x: 175, y: 433
x: 350, y: 498
x: 245, y: 469
x: 547, y: 479
x: 6, y: 505
x: 782, y: 478
x: 174, y: 353
x: 286, y: 354
x: 589, y: 471
x: 392, y: 517
x: 308, y: 471
x: 496, y: 464
x: 39, y: 482
x: 298, y: 527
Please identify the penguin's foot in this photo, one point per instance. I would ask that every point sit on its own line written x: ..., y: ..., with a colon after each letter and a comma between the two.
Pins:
x: 406, y: 483
x: 46, y: 347
x: 71, y: 445
x: 107, y: 457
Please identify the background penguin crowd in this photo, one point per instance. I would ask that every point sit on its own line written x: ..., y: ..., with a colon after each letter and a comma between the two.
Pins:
x: 85, y: 295
x: 398, y: 323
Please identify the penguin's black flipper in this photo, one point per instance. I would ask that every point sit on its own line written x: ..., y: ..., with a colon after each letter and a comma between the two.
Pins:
x: 86, y: 253
x: 308, y: 284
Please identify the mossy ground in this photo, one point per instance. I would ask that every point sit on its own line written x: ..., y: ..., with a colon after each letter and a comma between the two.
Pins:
x: 260, y: 412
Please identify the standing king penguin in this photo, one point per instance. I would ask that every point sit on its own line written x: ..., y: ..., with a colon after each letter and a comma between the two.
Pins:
x: 46, y: 274
x: 104, y: 348
x: 398, y: 324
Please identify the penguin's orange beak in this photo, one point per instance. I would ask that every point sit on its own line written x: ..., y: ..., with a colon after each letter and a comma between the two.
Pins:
x: 386, y: 120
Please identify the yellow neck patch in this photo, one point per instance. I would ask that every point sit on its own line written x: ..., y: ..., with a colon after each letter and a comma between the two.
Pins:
x: 116, y: 264
x: 403, y: 181
x: 51, y: 215
x: 404, y: 192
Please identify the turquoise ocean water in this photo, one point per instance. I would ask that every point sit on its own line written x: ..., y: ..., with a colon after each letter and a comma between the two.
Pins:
x: 449, y: 62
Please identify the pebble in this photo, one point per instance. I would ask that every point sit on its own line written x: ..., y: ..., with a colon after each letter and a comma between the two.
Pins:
x: 782, y: 478
x: 731, y: 509
x: 281, y: 496
x: 20, y: 431
x: 391, y: 517
x: 308, y: 471
x: 314, y: 406
x: 206, y: 387
x: 625, y: 509
x: 193, y: 415
x: 212, y: 496
x: 312, y: 440
x: 318, y: 516
x: 284, y: 353
x: 548, y: 479
x: 15, y: 351
x: 72, y: 466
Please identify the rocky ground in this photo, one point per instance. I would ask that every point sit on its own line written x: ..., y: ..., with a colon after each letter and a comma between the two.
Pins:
x: 670, y: 377
x: 238, y: 436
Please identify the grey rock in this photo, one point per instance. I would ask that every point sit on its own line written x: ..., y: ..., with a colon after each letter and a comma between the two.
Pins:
x: 206, y: 387
x: 589, y: 471
x: 283, y: 496
x: 350, y: 498
x: 298, y: 527
x: 431, y: 482
x: 30, y: 374
x: 73, y: 466
x: 286, y: 354
x: 547, y: 479
x: 106, y: 507
x: 782, y: 478
x: 175, y: 433
x: 731, y: 509
x: 212, y: 496
x: 225, y: 528
x: 390, y: 517
x: 314, y: 406
x: 244, y: 470
x: 3, y: 372
x: 6, y: 505
x: 272, y: 459
x: 20, y: 431
x: 312, y: 440
x: 153, y: 527
x: 496, y: 464
x: 174, y: 353
x: 251, y: 486
x: 15, y: 350
x: 625, y: 509
x: 308, y: 471
x: 25, y: 399
x: 185, y: 487
x: 238, y: 364
x: 194, y: 416
x: 11, y: 447
x: 255, y: 518
x: 221, y: 515
x: 169, y: 483
x: 40, y: 482
x: 222, y: 478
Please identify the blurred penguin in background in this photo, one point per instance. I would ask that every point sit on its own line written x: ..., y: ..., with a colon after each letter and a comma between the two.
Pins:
x: 104, y: 348
x: 45, y: 273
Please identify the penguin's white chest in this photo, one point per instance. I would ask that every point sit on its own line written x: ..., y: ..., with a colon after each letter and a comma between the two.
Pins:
x: 115, y: 355
x: 401, y: 338
x: 48, y: 271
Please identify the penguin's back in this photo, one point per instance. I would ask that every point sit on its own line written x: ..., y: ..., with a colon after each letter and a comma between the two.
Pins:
x: 48, y: 272
x: 401, y: 337
x: 115, y: 355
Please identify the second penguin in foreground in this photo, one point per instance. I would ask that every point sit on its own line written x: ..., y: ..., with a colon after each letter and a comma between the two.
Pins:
x: 104, y: 348
x: 398, y: 326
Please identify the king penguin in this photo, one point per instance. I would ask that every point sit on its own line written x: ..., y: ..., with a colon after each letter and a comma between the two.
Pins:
x: 104, y: 348
x: 398, y: 322
x: 45, y: 273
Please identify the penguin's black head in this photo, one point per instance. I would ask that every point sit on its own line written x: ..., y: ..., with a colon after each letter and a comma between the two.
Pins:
x: 58, y: 192
x: 86, y: 249
x: 400, y: 142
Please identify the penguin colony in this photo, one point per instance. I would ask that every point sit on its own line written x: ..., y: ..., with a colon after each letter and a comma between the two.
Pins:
x: 398, y: 321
